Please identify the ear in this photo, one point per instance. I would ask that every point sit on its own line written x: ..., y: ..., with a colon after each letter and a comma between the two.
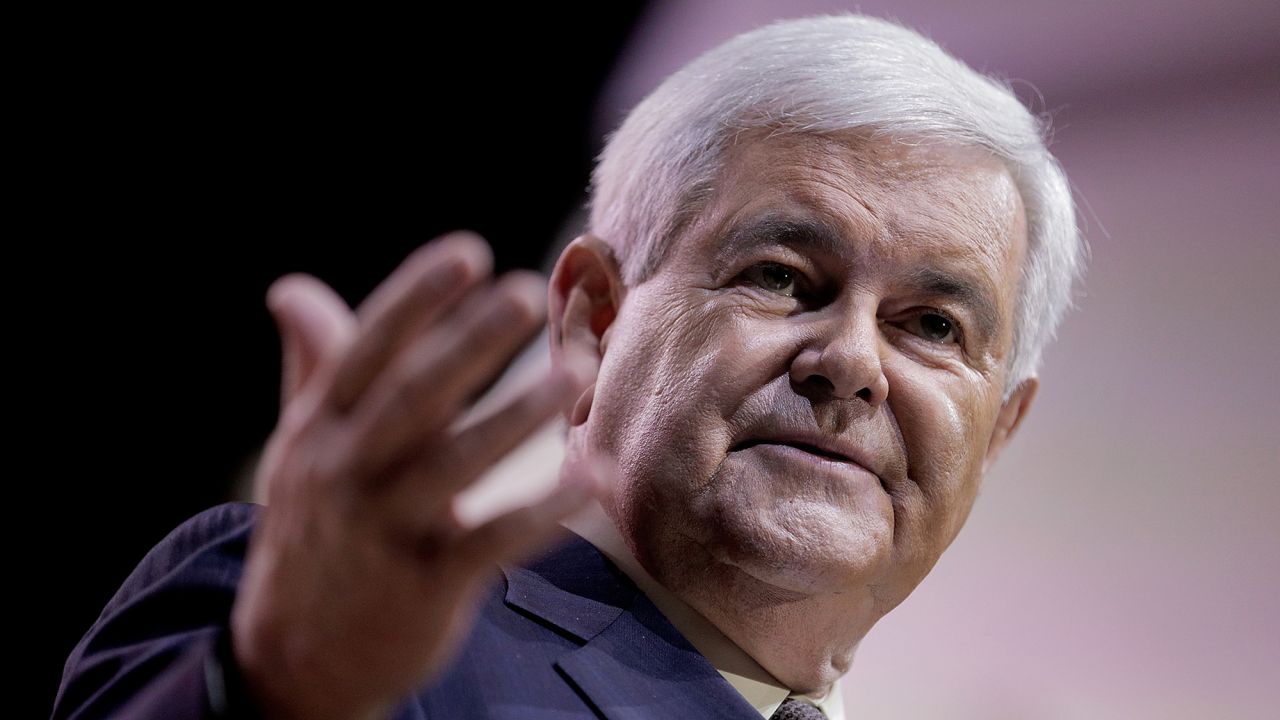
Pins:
x: 1011, y: 414
x: 584, y: 297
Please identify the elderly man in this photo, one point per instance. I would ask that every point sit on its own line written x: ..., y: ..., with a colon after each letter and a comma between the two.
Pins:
x: 821, y: 266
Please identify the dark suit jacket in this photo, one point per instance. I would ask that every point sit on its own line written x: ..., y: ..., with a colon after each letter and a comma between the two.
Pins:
x: 566, y: 636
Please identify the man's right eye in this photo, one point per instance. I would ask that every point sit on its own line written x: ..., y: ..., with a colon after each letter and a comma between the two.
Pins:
x: 775, y: 277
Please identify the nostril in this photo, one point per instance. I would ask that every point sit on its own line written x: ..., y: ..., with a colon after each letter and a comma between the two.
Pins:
x: 816, y: 385
x: 820, y: 388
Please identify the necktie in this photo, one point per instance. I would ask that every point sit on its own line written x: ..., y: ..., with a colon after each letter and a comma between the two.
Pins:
x: 792, y: 709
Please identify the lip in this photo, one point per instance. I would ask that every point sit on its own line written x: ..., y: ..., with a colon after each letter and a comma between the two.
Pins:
x: 816, y: 449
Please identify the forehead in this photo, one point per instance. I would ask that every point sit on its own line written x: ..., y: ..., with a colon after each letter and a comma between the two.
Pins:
x: 945, y: 198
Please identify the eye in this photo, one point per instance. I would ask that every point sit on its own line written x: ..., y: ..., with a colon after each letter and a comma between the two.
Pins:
x: 933, y: 326
x: 775, y: 277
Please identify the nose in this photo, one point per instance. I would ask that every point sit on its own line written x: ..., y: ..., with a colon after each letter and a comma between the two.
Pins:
x: 842, y: 360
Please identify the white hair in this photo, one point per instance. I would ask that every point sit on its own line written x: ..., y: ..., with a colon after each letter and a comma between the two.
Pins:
x: 831, y: 74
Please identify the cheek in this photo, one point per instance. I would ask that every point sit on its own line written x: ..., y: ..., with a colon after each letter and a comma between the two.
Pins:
x: 660, y: 389
x: 695, y: 357
x: 676, y: 375
x: 945, y: 422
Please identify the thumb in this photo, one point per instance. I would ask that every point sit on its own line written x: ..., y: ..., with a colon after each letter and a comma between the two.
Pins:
x: 315, y: 324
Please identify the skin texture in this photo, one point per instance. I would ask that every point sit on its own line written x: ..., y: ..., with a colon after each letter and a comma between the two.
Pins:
x: 799, y: 431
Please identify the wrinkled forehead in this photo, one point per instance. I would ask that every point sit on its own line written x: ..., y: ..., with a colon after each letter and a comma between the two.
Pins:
x: 968, y: 183
x: 891, y: 192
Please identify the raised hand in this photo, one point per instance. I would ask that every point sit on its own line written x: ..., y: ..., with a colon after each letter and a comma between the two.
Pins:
x: 360, y: 579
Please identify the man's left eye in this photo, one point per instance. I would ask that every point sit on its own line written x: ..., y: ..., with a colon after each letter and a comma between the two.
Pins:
x: 775, y: 278
x: 933, y: 327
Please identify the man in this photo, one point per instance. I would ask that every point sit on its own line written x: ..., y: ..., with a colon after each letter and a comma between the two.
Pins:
x: 822, y: 263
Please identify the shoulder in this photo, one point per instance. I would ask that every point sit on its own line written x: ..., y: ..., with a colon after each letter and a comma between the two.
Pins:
x: 177, y: 599
x: 218, y: 534
x: 206, y: 551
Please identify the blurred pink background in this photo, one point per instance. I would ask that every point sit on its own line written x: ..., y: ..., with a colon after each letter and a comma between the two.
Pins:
x: 1122, y: 559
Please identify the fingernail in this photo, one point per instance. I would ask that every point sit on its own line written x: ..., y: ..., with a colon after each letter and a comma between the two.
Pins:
x: 465, y: 246
x: 475, y: 253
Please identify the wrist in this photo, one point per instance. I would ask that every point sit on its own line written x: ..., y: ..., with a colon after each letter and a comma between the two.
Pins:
x: 226, y: 692
x: 260, y: 689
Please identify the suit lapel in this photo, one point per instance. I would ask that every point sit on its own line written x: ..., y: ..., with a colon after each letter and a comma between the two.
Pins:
x: 633, y: 663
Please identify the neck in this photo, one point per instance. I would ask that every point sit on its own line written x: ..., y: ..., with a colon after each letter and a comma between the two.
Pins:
x: 703, y: 633
x: 594, y: 525
x: 806, y: 641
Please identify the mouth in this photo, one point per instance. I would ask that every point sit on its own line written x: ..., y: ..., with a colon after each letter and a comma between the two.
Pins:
x: 813, y: 449
x: 816, y: 454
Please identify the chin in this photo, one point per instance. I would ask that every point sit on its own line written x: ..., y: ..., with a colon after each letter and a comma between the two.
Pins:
x: 800, y: 531
x: 807, y: 548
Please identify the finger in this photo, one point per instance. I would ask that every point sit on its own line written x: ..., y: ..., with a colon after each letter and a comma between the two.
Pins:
x: 519, y: 533
x: 425, y: 488
x: 413, y: 401
x: 315, y: 326
x: 489, y: 439
x: 424, y: 288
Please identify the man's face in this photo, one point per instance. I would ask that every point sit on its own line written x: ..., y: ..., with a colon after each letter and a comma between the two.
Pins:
x: 802, y: 397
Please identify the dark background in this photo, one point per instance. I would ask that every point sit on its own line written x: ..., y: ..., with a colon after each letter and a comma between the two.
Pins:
x: 184, y: 161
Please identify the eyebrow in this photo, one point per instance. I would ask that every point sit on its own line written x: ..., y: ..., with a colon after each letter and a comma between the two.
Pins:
x: 807, y: 233
x: 815, y: 234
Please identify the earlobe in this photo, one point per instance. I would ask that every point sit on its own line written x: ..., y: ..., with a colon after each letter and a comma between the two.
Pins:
x: 585, y: 294
x: 1012, y: 411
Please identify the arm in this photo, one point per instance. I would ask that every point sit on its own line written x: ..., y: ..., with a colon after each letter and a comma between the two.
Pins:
x: 163, y: 639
